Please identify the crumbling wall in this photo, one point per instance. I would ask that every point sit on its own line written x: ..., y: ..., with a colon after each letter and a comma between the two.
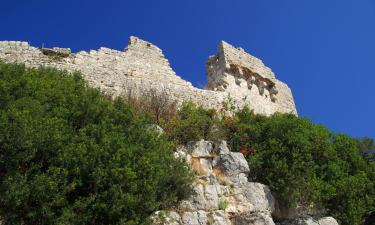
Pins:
x: 245, y: 77
x: 139, y: 69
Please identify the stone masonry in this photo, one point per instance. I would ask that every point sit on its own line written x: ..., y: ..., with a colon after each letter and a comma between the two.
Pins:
x: 142, y: 68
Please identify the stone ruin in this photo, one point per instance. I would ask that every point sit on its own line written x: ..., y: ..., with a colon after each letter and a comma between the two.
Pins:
x: 233, y: 74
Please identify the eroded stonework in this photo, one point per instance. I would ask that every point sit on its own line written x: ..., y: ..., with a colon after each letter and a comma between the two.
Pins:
x: 142, y: 68
x: 245, y: 77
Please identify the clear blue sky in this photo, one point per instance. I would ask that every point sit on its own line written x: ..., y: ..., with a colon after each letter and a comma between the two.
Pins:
x: 323, y: 49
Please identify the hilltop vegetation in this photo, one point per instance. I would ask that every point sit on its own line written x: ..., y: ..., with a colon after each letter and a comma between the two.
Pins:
x: 71, y: 155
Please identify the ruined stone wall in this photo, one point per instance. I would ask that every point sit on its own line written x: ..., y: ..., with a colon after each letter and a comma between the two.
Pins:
x: 245, y: 77
x: 140, y: 69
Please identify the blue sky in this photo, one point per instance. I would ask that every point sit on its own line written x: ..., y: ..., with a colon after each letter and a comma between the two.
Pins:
x: 323, y: 49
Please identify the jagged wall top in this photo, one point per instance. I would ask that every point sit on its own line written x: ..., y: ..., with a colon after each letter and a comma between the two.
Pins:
x: 238, y: 57
x: 142, y: 69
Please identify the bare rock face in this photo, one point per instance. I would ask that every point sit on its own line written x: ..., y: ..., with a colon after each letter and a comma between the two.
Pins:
x: 310, y: 221
x: 223, y: 195
x: 142, y: 69
x: 231, y: 164
x: 254, y: 219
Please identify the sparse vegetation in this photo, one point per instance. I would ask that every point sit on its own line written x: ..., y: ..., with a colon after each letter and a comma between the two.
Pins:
x: 223, y: 203
x: 155, y: 103
x: 193, y: 123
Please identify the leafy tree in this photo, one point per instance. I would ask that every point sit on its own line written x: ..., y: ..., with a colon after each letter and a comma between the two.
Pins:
x: 71, y: 155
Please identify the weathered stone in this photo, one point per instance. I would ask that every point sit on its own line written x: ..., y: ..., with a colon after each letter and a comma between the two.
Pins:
x: 142, y: 70
x: 221, y: 148
x: 231, y: 164
x: 310, y: 221
x: 202, y: 217
x: 206, y: 197
x: 260, y: 196
x: 190, y: 218
x: 200, y: 148
x: 62, y: 52
x: 219, y: 218
x: 223, y: 195
x: 235, y: 67
x: 327, y: 221
x: 254, y: 219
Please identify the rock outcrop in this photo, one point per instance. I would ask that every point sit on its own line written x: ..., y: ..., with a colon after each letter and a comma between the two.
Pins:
x: 310, y: 221
x: 222, y: 193
x: 142, y: 68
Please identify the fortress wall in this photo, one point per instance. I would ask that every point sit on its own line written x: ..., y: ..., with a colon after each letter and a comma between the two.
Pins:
x: 141, y: 68
x: 246, y: 78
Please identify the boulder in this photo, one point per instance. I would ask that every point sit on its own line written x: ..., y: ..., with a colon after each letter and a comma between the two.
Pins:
x: 260, y: 196
x: 231, y: 164
x: 221, y: 148
x: 200, y: 148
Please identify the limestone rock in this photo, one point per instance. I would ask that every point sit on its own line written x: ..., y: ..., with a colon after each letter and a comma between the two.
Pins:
x: 231, y: 164
x: 200, y: 148
x: 310, y: 221
x: 222, y: 148
x: 190, y: 218
x: 219, y: 218
x: 327, y: 221
x: 260, y: 196
x: 254, y: 219
x: 222, y: 191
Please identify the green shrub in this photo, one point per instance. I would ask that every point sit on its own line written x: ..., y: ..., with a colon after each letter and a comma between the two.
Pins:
x: 305, y: 164
x: 223, y: 204
x: 70, y: 155
x: 193, y: 123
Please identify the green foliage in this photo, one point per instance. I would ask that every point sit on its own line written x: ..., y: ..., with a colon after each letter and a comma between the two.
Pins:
x: 70, y: 155
x: 223, y: 203
x: 306, y: 164
x: 367, y: 148
x: 193, y: 123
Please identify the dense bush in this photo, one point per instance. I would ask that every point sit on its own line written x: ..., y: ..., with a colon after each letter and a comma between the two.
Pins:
x: 367, y: 148
x: 306, y: 164
x: 193, y: 123
x: 69, y: 155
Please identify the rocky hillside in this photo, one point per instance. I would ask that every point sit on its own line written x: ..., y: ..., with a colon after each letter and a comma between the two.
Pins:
x: 223, y: 194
